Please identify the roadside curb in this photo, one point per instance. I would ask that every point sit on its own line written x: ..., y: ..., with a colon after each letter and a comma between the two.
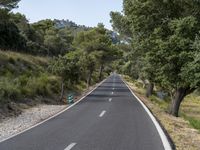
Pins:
x: 57, y: 114
x: 164, y: 138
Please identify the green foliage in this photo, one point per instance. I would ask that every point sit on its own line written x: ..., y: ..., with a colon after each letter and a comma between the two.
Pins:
x: 8, y: 4
x: 78, y: 57
x: 9, y: 90
x: 24, y: 76
x: 164, y: 104
x: 165, y: 39
x: 97, y: 43
x: 191, y: 70
x: 165, y: 44
x: 40, y: 38
x: 195, y: 123
x: 27, y: 86
x: 121, y: 24
x: 172, y: 55
x: 66, y: 67
x: 10, y: 35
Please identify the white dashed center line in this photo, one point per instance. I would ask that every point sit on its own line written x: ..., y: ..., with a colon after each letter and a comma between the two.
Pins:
x: 112, y: 93
x: 102, y: 113
x: 110, y: 99
x: 70, y: 146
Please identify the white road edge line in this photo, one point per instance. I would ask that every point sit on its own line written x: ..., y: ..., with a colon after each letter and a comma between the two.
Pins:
x: 70, y: 146
x: 102, y: 113
x: 110, y: 99
x: 163, y: 137
x: 12, y: 136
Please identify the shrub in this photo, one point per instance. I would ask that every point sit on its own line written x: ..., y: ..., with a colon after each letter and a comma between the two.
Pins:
x: 11, y: 60
x: 9, y: 89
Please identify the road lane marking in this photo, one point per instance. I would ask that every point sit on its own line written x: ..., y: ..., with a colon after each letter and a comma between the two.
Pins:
x: 164, y: 139
x: 70, y: 146
x: 113, y: 88
x: 112, y: 93
x: 57, y: 114
x: 102, y: 113
x: 110, y: 99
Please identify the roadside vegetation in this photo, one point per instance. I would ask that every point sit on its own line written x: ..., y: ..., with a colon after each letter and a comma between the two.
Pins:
x: 154, y: 42
x: 190, y: 108
x: 23, y: 78
x: 161, y: 63
x: 163, y: 42
x: 44, y: 61
x: 184, y: 131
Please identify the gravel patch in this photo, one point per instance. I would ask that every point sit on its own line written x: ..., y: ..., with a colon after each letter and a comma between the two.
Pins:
x: 32, y: 116
x: 28, y: 118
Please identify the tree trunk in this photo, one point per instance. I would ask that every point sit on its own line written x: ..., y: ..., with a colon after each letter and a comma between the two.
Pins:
x: 149, y: 90
x: 89, y: 79
x: 62, y: 90
x: 178, y: 97
x: 100, y: 72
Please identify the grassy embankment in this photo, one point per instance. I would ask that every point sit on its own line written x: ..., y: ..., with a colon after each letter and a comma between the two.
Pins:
x: 25, y: 81
x: 185, y: 130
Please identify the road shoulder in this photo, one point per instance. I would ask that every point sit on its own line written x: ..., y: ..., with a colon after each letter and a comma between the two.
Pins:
x: 183, y: 136
x: 34, y: 116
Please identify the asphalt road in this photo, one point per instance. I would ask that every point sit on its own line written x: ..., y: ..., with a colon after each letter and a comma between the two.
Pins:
x: 110, y: 118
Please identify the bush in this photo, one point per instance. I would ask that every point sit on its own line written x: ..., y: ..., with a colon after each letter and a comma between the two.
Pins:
x: 9, y: 89
x: 54, y: 84
x: 11, y: 60
x: 27, y: 86
x: 25, y: 76
x: 161, y: 103
x: 42, y: 85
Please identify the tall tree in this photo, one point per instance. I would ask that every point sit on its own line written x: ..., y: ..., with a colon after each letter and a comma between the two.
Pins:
x: 165, y: 31
x: 97, y: 41
x: 171, y: 57
x: 67, y: 68
x: 121, y: 25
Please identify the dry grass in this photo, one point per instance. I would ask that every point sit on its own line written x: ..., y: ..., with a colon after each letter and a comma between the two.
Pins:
x: 180, y: 130
x: 191, y: 106
x: 4, y: 55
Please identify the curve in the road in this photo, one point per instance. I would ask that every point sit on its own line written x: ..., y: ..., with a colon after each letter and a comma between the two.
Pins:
x: 109, y: 118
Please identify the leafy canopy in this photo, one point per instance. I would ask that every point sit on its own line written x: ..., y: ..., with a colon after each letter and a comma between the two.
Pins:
x: 8, y: 4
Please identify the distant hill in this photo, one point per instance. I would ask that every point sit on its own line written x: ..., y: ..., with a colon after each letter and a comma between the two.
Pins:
x: 75, y: 28
x: 69, y: 24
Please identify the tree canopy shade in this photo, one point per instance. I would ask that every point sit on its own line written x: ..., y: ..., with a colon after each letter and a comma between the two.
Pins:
x: 121, y: 24
x: 96, y: 44
x: 8, y: 4
x: 67, y: 68
x: 10, y: 37
x: 93, y: 51
x: 165, y: 43
x: 80, y: 54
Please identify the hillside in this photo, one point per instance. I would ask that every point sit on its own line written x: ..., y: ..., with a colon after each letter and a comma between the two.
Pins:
x: 68, y: 24
x: 24, y: 79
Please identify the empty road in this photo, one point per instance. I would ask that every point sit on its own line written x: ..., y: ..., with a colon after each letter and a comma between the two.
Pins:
x: 110, y: 118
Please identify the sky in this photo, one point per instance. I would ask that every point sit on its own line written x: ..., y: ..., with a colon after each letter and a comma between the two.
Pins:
x: 82, y: 12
